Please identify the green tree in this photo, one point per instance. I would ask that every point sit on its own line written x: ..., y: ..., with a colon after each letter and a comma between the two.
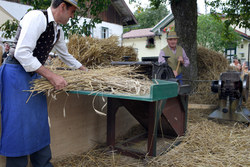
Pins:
x: 236, y: 11
x: 9, y: 27
x: 211, y: 34
x: 149, y: 17
x: 88, y: 9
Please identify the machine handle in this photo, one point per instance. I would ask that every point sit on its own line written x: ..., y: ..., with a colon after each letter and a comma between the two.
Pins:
x: 178, y: 65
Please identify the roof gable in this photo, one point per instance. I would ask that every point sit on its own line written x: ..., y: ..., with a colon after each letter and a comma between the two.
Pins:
x: 242, y: 34
x: 163, y: 23
x: 122, y: 8
x: 16, y: 10
x: 139, y: 33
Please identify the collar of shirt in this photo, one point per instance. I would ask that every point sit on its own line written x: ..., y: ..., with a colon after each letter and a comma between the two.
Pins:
x: 50, y: 15
x: 51, y: 18
x: 174, y: 51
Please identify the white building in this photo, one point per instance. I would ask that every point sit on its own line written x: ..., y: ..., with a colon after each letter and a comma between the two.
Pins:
x: 114, y: 18
x: 11, y: 11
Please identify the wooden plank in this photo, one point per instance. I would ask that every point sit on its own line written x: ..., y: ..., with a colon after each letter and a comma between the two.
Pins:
x: 202, y: 106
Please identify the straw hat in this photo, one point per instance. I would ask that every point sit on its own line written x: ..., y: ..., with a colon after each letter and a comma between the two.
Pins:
x: 172, y: 35
x: 73, y: 2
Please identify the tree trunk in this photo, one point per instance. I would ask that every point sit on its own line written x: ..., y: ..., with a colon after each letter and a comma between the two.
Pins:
x: 185, y: 14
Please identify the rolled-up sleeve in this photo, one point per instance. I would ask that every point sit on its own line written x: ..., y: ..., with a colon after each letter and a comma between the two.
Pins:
x: 185, y: 58
x: 63, y: 53
x: 161, y: 58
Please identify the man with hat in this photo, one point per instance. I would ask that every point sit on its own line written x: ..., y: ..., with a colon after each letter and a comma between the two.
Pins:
x: 25, y: 128
x: 178, y: 56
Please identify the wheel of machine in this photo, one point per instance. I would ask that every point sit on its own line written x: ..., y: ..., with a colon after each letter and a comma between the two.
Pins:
x: 245, y: 87
x: 165, y: 73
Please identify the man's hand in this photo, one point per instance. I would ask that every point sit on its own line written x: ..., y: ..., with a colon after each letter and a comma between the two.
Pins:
x: 83, y: 68
x: 180, y: 58
x: 56, y: 80
x: 175, y: 73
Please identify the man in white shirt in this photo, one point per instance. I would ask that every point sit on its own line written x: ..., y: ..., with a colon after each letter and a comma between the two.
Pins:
x: 25, y: 129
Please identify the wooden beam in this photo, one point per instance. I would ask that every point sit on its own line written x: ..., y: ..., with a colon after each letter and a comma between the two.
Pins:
x: 202, y: 106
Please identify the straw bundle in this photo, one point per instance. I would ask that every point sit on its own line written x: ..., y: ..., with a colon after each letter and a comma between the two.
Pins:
x: 93, y: 52
x: 112, y: 79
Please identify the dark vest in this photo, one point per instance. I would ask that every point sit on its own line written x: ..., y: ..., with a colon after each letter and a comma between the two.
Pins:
x: 44, y: 44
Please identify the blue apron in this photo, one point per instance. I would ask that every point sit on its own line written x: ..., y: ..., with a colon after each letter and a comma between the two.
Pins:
x: 25, y: 128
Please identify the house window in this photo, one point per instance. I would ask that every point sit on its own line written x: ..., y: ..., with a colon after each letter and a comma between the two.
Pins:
x: 241, y: 46
x: 230, y: 52
x: 150, y: 42
x: 242, y: 54
x: 105, y: 32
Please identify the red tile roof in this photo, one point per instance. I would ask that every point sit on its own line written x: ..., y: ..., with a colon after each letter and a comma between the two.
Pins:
x: 138, y: 33
x: 243, y: 34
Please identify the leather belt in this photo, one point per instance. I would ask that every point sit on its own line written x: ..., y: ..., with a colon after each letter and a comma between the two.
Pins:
x: 13, y: 60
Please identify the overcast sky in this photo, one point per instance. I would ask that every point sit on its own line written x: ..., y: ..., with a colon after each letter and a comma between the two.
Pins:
x: 145, y: 3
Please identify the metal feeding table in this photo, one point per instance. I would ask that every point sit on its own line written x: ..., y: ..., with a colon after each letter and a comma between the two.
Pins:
x: 163, y: 111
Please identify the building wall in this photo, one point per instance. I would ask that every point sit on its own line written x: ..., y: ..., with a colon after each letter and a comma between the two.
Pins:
x: 140, y: 43
x: 111, y: 16
x: 114, y: 29
x: 4, y: 16
x: 242, y: 50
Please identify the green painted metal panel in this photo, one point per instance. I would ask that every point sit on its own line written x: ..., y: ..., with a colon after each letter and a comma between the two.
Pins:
x: 159, y: 90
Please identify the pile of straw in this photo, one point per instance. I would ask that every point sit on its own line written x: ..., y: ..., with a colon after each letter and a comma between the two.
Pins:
x: 210, y: 65
x: 94, y: 52
x: 116, y: 80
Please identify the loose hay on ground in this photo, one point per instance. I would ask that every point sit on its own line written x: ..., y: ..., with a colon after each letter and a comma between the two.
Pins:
x: 210, y: 143
x: 207, y: 143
